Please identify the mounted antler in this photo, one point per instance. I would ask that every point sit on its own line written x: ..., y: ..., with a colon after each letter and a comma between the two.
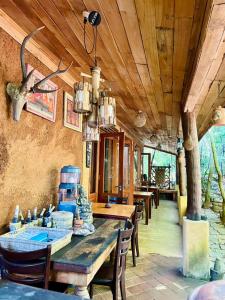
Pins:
x: 18, y: 93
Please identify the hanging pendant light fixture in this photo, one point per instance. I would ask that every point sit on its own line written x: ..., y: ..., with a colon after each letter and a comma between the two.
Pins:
x: 107, y: 111
x: 90, y: 134
x: 140, y: 119
x: 82, y: 98
x: 153, y: 138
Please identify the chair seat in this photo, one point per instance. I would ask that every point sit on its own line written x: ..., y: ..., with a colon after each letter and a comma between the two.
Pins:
x: 105, y: 275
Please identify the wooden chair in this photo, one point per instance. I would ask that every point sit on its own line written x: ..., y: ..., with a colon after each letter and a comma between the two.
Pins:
x: 30, y: 268
x: 134, y: 240
x: 113, y: 275
x: 118, y: 200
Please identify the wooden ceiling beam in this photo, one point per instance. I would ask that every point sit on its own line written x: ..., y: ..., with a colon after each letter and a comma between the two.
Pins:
x: 209, y: 59
x: 146, y: 16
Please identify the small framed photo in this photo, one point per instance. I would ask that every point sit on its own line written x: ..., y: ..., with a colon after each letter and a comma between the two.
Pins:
x: 72, y: 119
x: 43, y: 105
x: 88, y: 154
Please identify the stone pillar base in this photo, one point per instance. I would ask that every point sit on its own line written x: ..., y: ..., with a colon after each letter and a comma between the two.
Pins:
x: 182, y: 208
x: 196, y: 249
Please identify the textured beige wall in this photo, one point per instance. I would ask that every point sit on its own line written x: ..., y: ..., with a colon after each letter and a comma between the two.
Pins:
x: 33, y: 150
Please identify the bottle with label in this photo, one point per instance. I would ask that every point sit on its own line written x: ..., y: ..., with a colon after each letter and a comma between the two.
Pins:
x: 28, y: 219
x: 41, y: 216
x: 34, y: 217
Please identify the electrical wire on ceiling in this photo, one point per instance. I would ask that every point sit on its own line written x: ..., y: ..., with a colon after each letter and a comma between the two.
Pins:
x: 94, y: 43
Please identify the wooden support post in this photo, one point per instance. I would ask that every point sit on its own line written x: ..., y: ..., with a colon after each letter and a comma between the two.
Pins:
x: 182, y: 173
x: 192, y: 166
x: 177, y: 172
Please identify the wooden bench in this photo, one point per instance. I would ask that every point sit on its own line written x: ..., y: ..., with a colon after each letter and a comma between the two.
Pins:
x: 173, y: 192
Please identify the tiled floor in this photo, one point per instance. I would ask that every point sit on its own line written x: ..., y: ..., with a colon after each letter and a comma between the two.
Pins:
x: 157, y: 276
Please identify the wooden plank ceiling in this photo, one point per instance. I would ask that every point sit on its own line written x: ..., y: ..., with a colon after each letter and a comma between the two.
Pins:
x: 146, y: 50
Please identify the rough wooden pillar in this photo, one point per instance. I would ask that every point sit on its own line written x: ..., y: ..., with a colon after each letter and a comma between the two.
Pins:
x: 182, y: 173
x: 192, y: 166
x: 177, y: 172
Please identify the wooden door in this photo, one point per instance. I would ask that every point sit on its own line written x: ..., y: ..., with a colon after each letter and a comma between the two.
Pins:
x: 111, y: 158
x: 128, y: 170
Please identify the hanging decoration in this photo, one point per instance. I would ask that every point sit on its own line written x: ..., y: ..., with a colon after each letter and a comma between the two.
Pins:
x: 90, y: 134
x: 140, y: 119
x: 153, y: 139
x: 107, y: 111
x: 19, y: 93
x: 159, y: 146
x: 100, y: 110
x: 82, y: 99
x: 219, y: 116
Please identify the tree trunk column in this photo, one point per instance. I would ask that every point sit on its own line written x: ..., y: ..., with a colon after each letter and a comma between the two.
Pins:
x: 192, y: 166
x: 182, y: 173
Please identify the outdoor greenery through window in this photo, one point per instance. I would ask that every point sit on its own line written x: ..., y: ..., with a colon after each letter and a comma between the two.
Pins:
x: 162, y: 159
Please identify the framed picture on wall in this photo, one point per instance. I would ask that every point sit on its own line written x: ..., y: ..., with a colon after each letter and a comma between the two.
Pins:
x: 43, y: 105
x: 72, y: 119
x: 88, y: 154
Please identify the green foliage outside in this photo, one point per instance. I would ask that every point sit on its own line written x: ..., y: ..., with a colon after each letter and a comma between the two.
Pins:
x: 216, y: 134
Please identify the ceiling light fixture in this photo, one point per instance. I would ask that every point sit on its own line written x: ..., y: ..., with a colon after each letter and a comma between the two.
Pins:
x: 140, y: 119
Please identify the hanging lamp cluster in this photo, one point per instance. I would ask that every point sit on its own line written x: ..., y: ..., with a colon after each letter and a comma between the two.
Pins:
x: 98, y: 108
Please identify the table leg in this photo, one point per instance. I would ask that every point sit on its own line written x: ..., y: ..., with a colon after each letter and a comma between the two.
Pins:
x: 147, y: 210
x: 149, y: 200
x: 82, y: 292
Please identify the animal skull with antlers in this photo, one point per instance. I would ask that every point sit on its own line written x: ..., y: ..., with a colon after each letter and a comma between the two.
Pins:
x: 18, y: 93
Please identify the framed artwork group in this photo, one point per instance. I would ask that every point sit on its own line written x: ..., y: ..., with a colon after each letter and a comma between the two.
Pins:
x: 44, y: 105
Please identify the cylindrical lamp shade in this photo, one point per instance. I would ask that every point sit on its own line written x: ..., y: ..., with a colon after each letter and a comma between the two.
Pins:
x: 107, y: 112
x: 90, y: 134
x: 82, y: 99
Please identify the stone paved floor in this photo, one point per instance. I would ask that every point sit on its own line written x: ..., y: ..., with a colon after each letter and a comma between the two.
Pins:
x: 216, y: 235
x: 157, y: 276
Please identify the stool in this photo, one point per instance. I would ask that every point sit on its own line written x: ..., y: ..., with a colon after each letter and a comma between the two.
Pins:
x: 214, y: 290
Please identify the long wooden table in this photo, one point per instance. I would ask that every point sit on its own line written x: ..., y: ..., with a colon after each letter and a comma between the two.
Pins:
x: 78, y: 262
x: 146, y: 196
x: 116, y: 211
x: 11, y: 290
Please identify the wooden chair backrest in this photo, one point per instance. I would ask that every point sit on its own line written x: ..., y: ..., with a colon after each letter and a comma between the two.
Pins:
x: 118, y: 200
x: 138, y: 213
x: 122, y: 248
x: 26, y: 267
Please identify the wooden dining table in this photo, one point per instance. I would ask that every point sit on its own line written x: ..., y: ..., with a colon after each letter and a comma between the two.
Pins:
x: 146, y: 196
x: 150, y: 188
x: 116, y: 211
x: 78, y: 262
x: 10, y: 290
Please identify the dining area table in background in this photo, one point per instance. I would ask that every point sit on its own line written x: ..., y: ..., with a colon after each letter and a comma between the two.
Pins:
x: 150, y: 188
x: 146, y: 196
x: 114, y: 211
